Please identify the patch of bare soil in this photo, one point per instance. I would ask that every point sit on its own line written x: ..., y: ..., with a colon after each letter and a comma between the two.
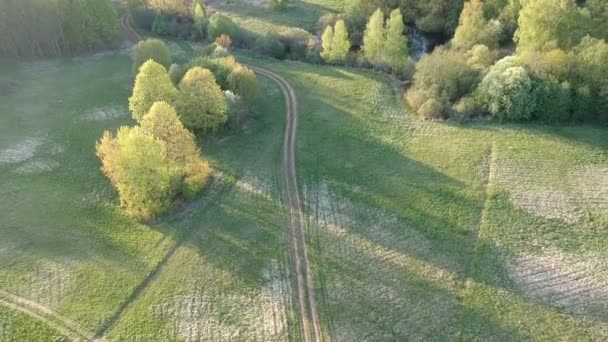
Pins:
x: 577, y: 284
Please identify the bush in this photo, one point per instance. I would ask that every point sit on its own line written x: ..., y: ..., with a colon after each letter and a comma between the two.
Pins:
x: 295, y: 42
x: 270, y: 45
x: 243, y: 82
x: 202, y: 105
x: 224, y: 41
x: 507, y: 92
x: 154, y: 49
x: 152, y: 84
x: 554, y: 101
x: 197, y: 174
x: 433, y: 108
x: 220, y: 67
x: 442, y: 74
x: 220, y: 24
x: 466, y: 108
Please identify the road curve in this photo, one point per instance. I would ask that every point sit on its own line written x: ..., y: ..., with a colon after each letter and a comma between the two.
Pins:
x: 44, y: 314
x: 311, y: 329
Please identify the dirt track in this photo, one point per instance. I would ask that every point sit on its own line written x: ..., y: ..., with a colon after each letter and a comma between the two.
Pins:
x: 303, y: 271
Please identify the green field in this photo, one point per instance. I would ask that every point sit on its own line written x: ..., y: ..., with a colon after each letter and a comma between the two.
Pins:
x: 418, y: 230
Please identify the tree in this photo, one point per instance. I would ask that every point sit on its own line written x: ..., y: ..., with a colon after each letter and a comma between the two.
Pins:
x: 137, y: 166
x: 164, y: 124
x: 395, y: 47
x: 327, y: 44
x: 341, y: 43
x: 199, y: 17
x: 373, y: 38
x: 243, y: 82
x: 220, y: 24
x: 507, y: 93
x: 201, y: 105
x: 474, y: 29
x: 548, y: 24
x: 154, y: 49
x: 151, y: 84
x: 335, y: 44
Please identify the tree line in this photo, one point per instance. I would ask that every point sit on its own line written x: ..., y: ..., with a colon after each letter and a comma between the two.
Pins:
x: 35, y: 28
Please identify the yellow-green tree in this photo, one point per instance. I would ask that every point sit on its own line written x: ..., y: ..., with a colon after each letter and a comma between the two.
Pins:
x: 164, y: 124
x: 474, y: 29
x: 201, y: 105
x: 136, y: 163
x: 335, y: 43
x: 242, y: 81
x: 374, y: 37
x: 151, y: 84
x: 154, y: 49
x: 396, y: 51
x: 548, y: 24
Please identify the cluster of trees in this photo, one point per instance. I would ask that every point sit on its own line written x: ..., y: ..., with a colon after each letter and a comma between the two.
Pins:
x: 383, y: 45
x: 33, y: 28
x: 152, y: 163
x: 557, y: 71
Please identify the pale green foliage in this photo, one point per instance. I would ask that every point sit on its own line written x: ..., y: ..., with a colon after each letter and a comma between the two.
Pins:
x: 474, y: 29
x: 335, y: 43
x: 151, y: 84
x: 596, y: 18
x: 243, y: 82
x: 374, y: 37
x: 154, y: 49
x: 139, y: 169
x: 201, y: 105
x: 327, y: 41
x: 506, y: 92
x: 341, y: 43
x: 395, y: 47
x: 548, y: 24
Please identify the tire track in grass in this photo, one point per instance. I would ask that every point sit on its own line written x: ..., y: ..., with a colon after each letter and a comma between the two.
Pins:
x: 303, y: 271
x: 44, y: 314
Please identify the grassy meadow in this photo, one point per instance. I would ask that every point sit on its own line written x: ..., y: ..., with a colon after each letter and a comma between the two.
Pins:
x: 437, y: 231
x: 417, y: 230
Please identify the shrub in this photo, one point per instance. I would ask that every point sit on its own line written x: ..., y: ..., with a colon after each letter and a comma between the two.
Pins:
x: 466, y: 108
x: 270, y: 45
x: 506, y: 92
x: 224, y: 41
x: 151, y: 84
x: 143, y: 17
x: 154, y: 49
x: 295, y: 42
x: 243, y: 82
x: 197, y: 173
x: 444, y: 73
x: 433, y: 108
x: 136, y: 164
x: 220, y: 24
x: 202, y: 105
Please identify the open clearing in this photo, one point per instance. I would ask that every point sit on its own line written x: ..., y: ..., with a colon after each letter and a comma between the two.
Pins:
x: 415, y: 230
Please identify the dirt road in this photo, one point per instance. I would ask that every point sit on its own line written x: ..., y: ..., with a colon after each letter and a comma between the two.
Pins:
x: 304, y: 277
